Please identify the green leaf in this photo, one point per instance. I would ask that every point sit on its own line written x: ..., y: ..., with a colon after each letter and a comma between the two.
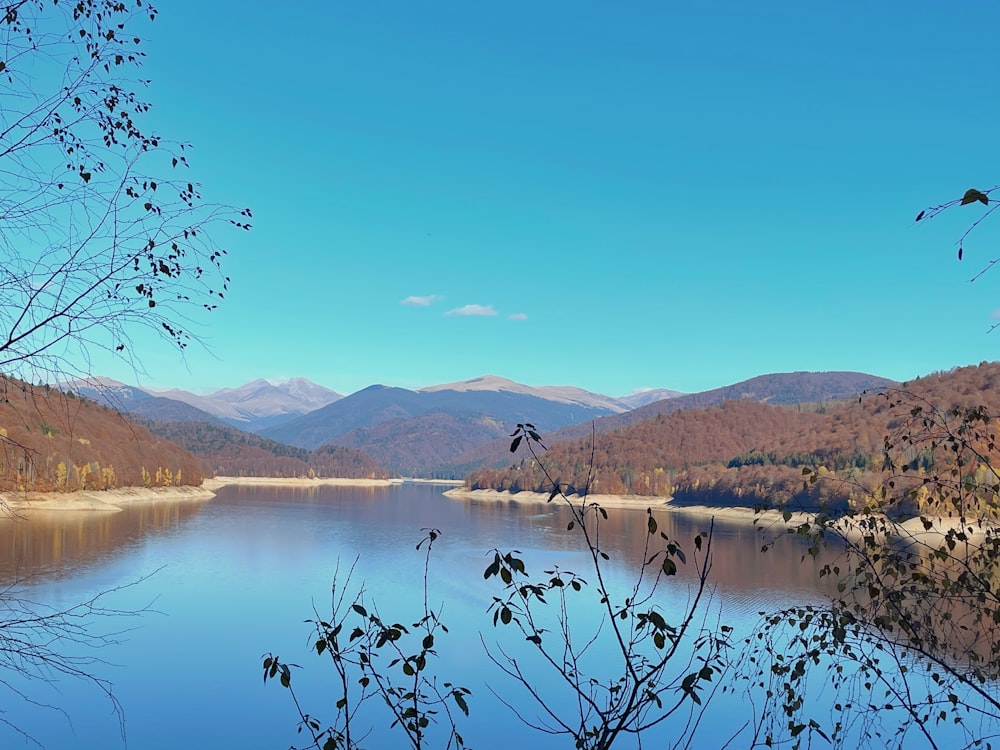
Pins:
x: 428, y: 643
x: 669, y: 567
x: 514, y: 443
x: 651, y: 524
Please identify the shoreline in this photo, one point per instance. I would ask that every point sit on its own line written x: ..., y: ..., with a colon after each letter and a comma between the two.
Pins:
x: 101, y: 500
x: 640, y: 502
x: 116, y: 499
x: 911, y: 529
x: 633, y: 502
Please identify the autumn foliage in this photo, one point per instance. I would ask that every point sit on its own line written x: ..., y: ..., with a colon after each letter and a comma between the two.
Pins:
x: 227, y: 451
x: 750, y: 454
x: 54, y: 441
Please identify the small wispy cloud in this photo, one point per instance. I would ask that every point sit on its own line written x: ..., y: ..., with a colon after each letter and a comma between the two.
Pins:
x: 473, y: 311
x: 517, y: 316
x: 415, y: 301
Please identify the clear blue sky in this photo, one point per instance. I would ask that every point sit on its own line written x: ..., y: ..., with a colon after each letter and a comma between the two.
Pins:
x: 630, y: 195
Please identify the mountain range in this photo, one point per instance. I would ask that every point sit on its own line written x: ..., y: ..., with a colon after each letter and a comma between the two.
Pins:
x: 252, y: 407
x: 442, y: 430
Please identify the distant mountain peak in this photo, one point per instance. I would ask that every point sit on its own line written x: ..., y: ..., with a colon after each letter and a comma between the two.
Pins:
x: 482, y: 383
x: 643, y: 396
x: 566, y: 394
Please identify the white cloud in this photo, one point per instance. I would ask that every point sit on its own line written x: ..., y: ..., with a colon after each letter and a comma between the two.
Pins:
x: 481, y: 311
x: 414, y: 301
x: 517, y: 316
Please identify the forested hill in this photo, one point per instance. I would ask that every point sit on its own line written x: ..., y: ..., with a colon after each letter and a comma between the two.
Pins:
x: 744, y: 452
x: 227, y: 451
x: 777, y: 388
x: 781, y: 388
x: 51, y: 441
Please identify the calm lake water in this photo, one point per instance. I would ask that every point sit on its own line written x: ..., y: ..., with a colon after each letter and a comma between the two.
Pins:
x: 233, y: 578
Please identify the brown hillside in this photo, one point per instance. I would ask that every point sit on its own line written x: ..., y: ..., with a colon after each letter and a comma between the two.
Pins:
x: 645, y: 457
x: 750, y: 453
x: 51, y: 441
x: 786, y: 389
x: 227, y: 451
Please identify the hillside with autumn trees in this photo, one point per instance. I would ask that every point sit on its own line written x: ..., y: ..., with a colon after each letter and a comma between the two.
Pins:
x: 227, y: 451
x: 55, y: 441
x: 749, y: 454
x: 783, y: 388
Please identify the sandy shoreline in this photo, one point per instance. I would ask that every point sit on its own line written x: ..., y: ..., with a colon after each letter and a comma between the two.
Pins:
x: 911, y: 529
x: 116, y: 499
x: 103, y: 500
x: 637, y: 502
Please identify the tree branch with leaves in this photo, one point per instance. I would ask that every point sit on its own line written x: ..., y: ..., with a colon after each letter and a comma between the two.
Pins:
x: 654, y: 677
x: 99, y: 230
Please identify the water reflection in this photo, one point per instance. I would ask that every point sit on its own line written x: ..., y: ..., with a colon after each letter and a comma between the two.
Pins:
x: 239, y: 574
x: 738, y: 564
x: 54, y: 544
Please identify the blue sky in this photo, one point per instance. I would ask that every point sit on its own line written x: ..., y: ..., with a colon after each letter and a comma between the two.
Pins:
x: 613, y: 196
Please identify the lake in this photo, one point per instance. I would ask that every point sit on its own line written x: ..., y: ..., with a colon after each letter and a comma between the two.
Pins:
x: 228, y: 580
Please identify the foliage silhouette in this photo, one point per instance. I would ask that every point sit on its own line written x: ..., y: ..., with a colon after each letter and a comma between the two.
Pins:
x: 102, y: 232
x: 654, y: 675
x: 911, y: 642
x: 407, y: 687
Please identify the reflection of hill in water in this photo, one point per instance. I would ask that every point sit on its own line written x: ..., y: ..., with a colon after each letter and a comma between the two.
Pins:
x: 269, y: 493
x: 738, y: 565
x: 56, y: 544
